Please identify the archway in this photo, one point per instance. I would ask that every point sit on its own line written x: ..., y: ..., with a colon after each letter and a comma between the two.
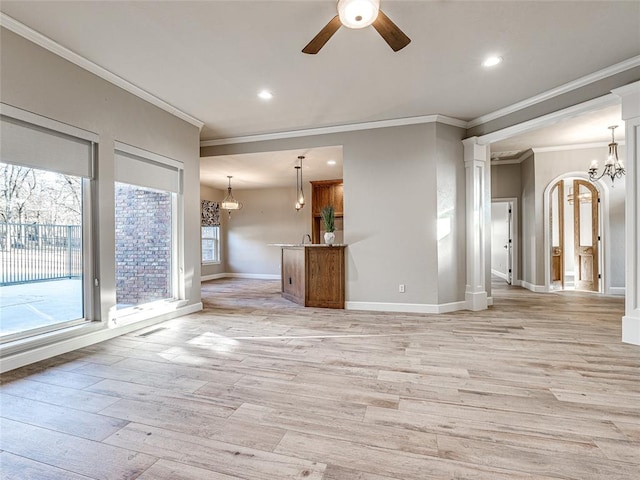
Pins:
x: 573, y: 234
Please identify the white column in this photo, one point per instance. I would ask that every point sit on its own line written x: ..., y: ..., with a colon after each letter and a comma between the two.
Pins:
x: 630, y: 95
x: 475, y: 160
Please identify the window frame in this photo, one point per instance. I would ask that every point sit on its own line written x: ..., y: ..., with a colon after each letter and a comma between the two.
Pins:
x: 43, y: 335
x: 125, y: 316
x: 216, y: 239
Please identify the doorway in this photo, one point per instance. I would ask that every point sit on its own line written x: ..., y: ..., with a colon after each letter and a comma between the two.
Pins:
x: 574, y: 218
x: 503, y: 215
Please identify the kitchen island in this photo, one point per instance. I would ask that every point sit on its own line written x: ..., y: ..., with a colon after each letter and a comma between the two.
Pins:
x: 313, y: 274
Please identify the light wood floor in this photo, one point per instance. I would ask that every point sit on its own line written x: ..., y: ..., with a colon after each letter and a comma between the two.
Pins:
x: 255, y: 387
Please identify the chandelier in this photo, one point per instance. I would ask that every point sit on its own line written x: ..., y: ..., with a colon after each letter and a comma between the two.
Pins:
x: 613, y: 167
x: 299, y: 185
x: 583, y: 197
x: 230, y: 203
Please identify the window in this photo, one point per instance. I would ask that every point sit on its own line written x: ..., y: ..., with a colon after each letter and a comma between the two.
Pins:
x: 45, y: 234
x: 211, y: 244
x: 147, y: 195
x: 144, y: 246
x: 210, y: 222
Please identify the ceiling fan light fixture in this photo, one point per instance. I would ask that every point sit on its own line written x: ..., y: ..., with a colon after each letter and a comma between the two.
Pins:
x: 358, y: 13
x: 492, y: 61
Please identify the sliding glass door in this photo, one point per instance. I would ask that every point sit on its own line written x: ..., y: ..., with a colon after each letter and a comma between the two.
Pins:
x: 44, y: 230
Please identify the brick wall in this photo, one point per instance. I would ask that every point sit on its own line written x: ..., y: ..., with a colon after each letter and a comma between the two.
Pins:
x: 143, y: 245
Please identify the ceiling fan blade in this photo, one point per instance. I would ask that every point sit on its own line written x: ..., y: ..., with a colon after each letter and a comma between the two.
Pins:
x: 323, y: 37
x: 388, y: 30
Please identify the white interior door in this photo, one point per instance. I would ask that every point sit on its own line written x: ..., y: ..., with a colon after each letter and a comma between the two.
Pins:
x: 502, y: 240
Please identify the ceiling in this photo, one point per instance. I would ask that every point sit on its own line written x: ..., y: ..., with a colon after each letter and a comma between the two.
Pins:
x: 209, y: 59
x: 271, y: 169
x: 588, y: 128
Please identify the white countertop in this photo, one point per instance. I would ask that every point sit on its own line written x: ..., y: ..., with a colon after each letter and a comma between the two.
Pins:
x: 306, y: 245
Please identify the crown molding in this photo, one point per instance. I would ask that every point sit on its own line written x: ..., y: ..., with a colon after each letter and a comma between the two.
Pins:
x: 556, y: 148
x: 607, y: 100
x: 513, y: 161
x: 562, y: 89
x: 576, y: 146
x: 337, y: 129
x: 45, y: 42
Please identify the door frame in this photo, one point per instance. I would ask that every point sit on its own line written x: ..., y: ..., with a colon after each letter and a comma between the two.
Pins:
x: 513, y: 233
x: 561, y: 237
x: 604, y: 265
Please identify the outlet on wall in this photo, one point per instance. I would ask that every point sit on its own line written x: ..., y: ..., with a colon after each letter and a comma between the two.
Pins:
x: 401, y: 288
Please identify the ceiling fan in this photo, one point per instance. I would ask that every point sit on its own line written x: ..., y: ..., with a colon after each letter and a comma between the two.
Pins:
x: 360, y: 14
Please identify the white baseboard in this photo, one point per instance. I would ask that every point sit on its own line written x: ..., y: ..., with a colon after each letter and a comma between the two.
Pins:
x: 631, y: 329
x: 489, y: 301
x: 617, y: 291
x: 256, y: 276
x: 406, y: 307
x: 21, y: 359
x: 214, y: 276
x: 532, y: 287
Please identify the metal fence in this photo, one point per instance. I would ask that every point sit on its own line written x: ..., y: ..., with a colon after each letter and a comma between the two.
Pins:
x: 34, y: 252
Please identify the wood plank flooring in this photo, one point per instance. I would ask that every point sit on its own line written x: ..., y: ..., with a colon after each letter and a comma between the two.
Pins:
x: 257, y: 388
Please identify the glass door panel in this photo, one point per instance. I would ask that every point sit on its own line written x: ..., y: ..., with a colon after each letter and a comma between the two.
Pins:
x: 41, y: 251
x: 586, y: 235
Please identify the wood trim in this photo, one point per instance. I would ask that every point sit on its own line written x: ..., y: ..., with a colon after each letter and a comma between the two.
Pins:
x: 593, y: 283
x: 557, y: 251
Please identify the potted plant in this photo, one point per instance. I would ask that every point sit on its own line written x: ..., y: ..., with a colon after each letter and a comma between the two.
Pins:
x: 328, y: 220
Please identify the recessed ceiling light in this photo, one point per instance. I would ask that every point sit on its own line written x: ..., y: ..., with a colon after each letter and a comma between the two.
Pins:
x: 331, y: 162
x: 492, y: 61
x: 265, y: 95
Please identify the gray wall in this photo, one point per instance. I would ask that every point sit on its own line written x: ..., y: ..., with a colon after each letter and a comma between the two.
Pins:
x: 393, y: 178
x: 551, y: 165
x: 506, y: 183
x: 451, y: 214
x: 528, y: 221
x: 505, y: 180
x: 36, y: 80
x: 267, y: 216
x: 528, y: 180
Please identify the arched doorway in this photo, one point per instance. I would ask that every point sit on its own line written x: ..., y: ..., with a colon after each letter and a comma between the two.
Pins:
x: 574, y: 232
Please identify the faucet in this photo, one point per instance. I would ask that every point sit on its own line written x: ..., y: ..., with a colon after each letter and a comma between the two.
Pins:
x: 305, y: 236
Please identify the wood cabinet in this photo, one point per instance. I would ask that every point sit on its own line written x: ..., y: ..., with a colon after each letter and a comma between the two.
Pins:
x: 323, y: 193
x: 313, y: 275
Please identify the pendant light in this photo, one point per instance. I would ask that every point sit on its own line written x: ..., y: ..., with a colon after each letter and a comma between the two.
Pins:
x: 230, y: 203
x: 613, y: 166
x: 299, y: 185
